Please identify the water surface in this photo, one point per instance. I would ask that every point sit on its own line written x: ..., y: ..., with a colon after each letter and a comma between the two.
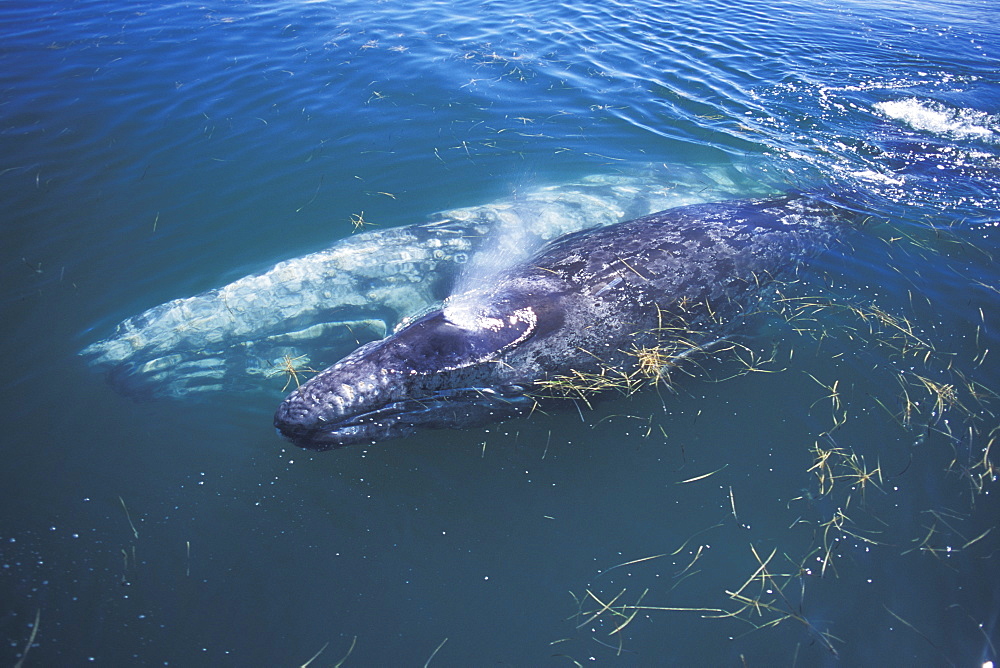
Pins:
x: 150, y: 151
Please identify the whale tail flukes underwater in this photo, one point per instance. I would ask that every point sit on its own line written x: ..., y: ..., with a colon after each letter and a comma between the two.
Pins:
x: 590, y: 309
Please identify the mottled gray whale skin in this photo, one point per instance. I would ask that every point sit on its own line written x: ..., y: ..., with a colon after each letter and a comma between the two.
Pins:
x: 313, y: 310
x: 584, y: 303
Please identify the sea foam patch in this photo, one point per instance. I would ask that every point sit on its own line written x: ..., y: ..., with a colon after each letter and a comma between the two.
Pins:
x: 939, y: 119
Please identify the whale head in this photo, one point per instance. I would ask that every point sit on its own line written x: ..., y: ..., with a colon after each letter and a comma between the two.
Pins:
x: 444, y: 369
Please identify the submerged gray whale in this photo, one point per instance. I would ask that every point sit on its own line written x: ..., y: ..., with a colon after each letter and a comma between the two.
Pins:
x: 312, y: 310
x: 585, y: 306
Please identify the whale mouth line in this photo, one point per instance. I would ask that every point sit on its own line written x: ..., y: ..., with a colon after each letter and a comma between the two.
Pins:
x: 467, y: 406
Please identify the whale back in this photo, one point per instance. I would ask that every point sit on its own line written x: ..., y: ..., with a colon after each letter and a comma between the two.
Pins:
x: 584, y: 306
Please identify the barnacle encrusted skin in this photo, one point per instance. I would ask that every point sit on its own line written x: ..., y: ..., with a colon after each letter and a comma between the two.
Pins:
x: 569, y: 319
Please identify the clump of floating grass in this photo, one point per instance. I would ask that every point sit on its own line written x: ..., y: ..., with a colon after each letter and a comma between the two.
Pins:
x: 764, y: 602
x: 358, y: 221
x: 931, y: 387
x: 822, y: 467
x: 834, y: 531
x: 810, y: 315
x: 942, y: 396
x: 749, y: 360
x: 670, y: 343
x: 833, y: 464
x: 292, y: 367
x: 619, y: 613
x: 583, y: 385
x: 924, y: 403
x: 943, y: 539
x: 837, y: 409
x: 837, y: 467
x: 859, y: 476
x: 654, y: 362
x: 977, y: 470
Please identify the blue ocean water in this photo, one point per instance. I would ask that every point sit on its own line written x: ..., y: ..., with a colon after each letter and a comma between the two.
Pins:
x: 835, y: 507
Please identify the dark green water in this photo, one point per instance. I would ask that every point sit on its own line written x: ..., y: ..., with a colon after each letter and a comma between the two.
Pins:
x: 151, y: 151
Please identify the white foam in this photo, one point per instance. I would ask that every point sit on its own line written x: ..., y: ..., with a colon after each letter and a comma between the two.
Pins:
x: 939, y: 119
x: 877, y: 177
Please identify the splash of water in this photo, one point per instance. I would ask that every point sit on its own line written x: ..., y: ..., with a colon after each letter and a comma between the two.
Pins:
x: 511, y: 241
x: 941, y: 120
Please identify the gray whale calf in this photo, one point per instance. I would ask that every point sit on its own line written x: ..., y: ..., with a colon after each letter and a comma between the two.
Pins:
x: 585, y: 306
